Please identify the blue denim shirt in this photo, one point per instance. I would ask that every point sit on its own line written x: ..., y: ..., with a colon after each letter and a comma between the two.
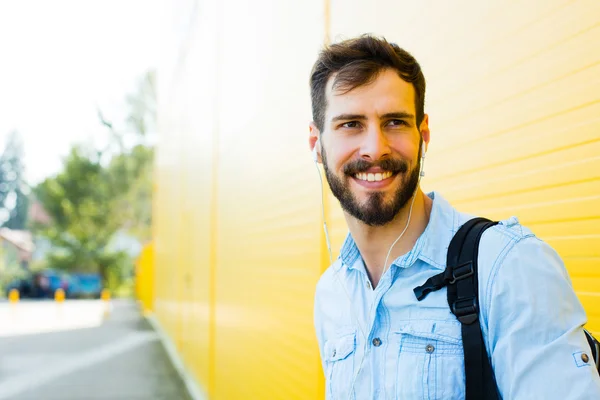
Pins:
x: 530, y: 317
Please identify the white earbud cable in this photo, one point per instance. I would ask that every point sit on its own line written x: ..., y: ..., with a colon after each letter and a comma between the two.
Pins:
x: 362, y: 359
x: 362, y: 331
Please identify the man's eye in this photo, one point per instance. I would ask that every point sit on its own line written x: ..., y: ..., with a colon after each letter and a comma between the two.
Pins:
x: 398, y: 122
x: 351, y: 124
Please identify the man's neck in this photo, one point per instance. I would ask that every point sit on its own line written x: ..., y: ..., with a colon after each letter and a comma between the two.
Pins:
x: 374, y: 242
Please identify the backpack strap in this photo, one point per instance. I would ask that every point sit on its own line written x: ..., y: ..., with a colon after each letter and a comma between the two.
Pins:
x: 594, y: 346
x: 461, y: 277
x: 464, y: 303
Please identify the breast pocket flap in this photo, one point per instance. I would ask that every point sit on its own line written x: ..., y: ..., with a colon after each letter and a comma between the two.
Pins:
x: 437, y: 337
x: 340, y: 347
x: 436, y: 330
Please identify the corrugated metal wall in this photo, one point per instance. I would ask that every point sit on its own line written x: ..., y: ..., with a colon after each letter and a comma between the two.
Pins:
x: 514, y: 104
x: 144, y: 278
x: 237, y: 223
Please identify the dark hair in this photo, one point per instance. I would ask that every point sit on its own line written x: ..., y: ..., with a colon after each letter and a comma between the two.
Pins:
x: 357, y: 62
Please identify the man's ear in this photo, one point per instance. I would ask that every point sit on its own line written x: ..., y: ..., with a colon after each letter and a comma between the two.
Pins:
x: 424, y: 129
x: 313, y: 141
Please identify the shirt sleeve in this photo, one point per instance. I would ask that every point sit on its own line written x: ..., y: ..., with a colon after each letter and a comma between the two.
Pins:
x: 535, y: 335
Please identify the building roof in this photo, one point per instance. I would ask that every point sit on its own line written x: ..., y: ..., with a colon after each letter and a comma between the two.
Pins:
x: 23, y: 240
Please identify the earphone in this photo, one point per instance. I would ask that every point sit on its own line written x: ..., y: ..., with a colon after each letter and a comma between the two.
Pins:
x: 364, y: 335
x: 423, y: 151
x: 316, y: 160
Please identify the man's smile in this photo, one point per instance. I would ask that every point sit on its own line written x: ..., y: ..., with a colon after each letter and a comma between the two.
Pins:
x: 373, y: 177
x: 374, y: 180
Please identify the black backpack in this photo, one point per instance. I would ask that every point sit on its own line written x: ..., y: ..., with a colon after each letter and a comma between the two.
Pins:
x: 460, y: 276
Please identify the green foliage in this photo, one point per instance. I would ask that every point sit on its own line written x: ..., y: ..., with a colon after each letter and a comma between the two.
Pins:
x: 38, y: 265
x: 91, y: 200
x: 9, y: 266
x: 132, y: 170
x: 132, y: 174
x: 80, y: 201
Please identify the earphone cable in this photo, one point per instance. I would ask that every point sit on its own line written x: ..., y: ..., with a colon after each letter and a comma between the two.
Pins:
x: 362, y: 331
x: 358, y: 324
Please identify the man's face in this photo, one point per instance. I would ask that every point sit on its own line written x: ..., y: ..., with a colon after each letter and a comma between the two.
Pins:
x: 370, y: 147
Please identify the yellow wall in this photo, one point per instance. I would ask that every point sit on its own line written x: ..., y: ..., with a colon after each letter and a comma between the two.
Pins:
x: 237, y: 224
x: 144, y: 278
x: 513, y: 97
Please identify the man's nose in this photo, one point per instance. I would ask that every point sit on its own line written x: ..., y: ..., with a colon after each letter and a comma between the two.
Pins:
x: 375, y: 145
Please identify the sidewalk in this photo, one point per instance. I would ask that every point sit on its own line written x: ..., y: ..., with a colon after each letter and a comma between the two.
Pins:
x: 122, y: 359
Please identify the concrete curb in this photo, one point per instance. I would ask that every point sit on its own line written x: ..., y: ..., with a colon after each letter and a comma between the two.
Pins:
x: 194, y: 390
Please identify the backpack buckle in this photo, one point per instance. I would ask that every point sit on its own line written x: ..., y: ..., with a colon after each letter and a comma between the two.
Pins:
x: 466, y: 310
x: 461, y: 272
x: 432, y: 284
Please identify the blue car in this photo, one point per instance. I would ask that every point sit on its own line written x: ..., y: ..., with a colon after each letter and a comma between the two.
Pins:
x: 85, y: 286
x: 39, y: 285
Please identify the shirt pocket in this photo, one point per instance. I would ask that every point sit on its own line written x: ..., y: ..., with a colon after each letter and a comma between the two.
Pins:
x: 339, y: 360
x: 430, y: 361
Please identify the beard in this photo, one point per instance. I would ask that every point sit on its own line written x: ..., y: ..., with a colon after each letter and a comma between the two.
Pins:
x: 375, y: 211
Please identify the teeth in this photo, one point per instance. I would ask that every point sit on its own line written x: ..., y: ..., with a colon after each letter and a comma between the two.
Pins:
x: 373, y: 177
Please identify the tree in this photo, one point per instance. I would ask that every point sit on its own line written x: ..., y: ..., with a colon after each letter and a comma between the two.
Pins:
x: 81, y: 202
x: 132, y: 169
x: 102, y: 192
x: 131, y: 172
x: 14, y: 201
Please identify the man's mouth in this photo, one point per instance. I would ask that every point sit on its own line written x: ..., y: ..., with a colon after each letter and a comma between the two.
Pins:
x: 373, y: 177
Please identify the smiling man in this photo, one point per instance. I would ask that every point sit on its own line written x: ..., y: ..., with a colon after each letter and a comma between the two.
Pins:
x: 376, y: 339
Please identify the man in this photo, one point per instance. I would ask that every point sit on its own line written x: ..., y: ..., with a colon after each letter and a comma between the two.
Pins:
x: 376, y: 340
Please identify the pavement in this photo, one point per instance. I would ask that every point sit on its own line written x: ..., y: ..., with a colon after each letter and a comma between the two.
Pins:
x: 83, y: 350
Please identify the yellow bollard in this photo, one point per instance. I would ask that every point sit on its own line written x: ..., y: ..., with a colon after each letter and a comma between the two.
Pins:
x: 59, y: 295
x: 105, y: 296
x: 13, y: 300
x: 13, y: 295
x: 59, y: 298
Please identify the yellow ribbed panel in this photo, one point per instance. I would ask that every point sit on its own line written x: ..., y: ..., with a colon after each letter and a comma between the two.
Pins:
x: 187, y: 116
x: 144, y: 278
x: 268, y: 246
x: 238, y: 208
x: 165, y: 229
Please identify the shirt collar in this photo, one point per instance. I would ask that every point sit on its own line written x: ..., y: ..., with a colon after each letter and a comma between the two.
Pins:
x: 431, y: 247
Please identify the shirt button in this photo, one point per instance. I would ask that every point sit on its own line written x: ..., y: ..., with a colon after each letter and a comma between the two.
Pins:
x: 585, y: 358
x: 334, y: 353
x: 429, y: 348
x: 376, y: 342
x: 368, y: 284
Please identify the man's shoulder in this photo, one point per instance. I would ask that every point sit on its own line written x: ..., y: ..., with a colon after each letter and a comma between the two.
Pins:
x: 508, y: 236
x: 500, y: 237
x: 512, y: 229
x: 494, y: 241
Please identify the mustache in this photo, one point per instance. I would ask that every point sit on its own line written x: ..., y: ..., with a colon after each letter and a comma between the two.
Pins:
x: 388, y: 164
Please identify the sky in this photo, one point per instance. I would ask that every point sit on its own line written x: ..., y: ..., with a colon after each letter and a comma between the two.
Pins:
x: 60, y: 61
